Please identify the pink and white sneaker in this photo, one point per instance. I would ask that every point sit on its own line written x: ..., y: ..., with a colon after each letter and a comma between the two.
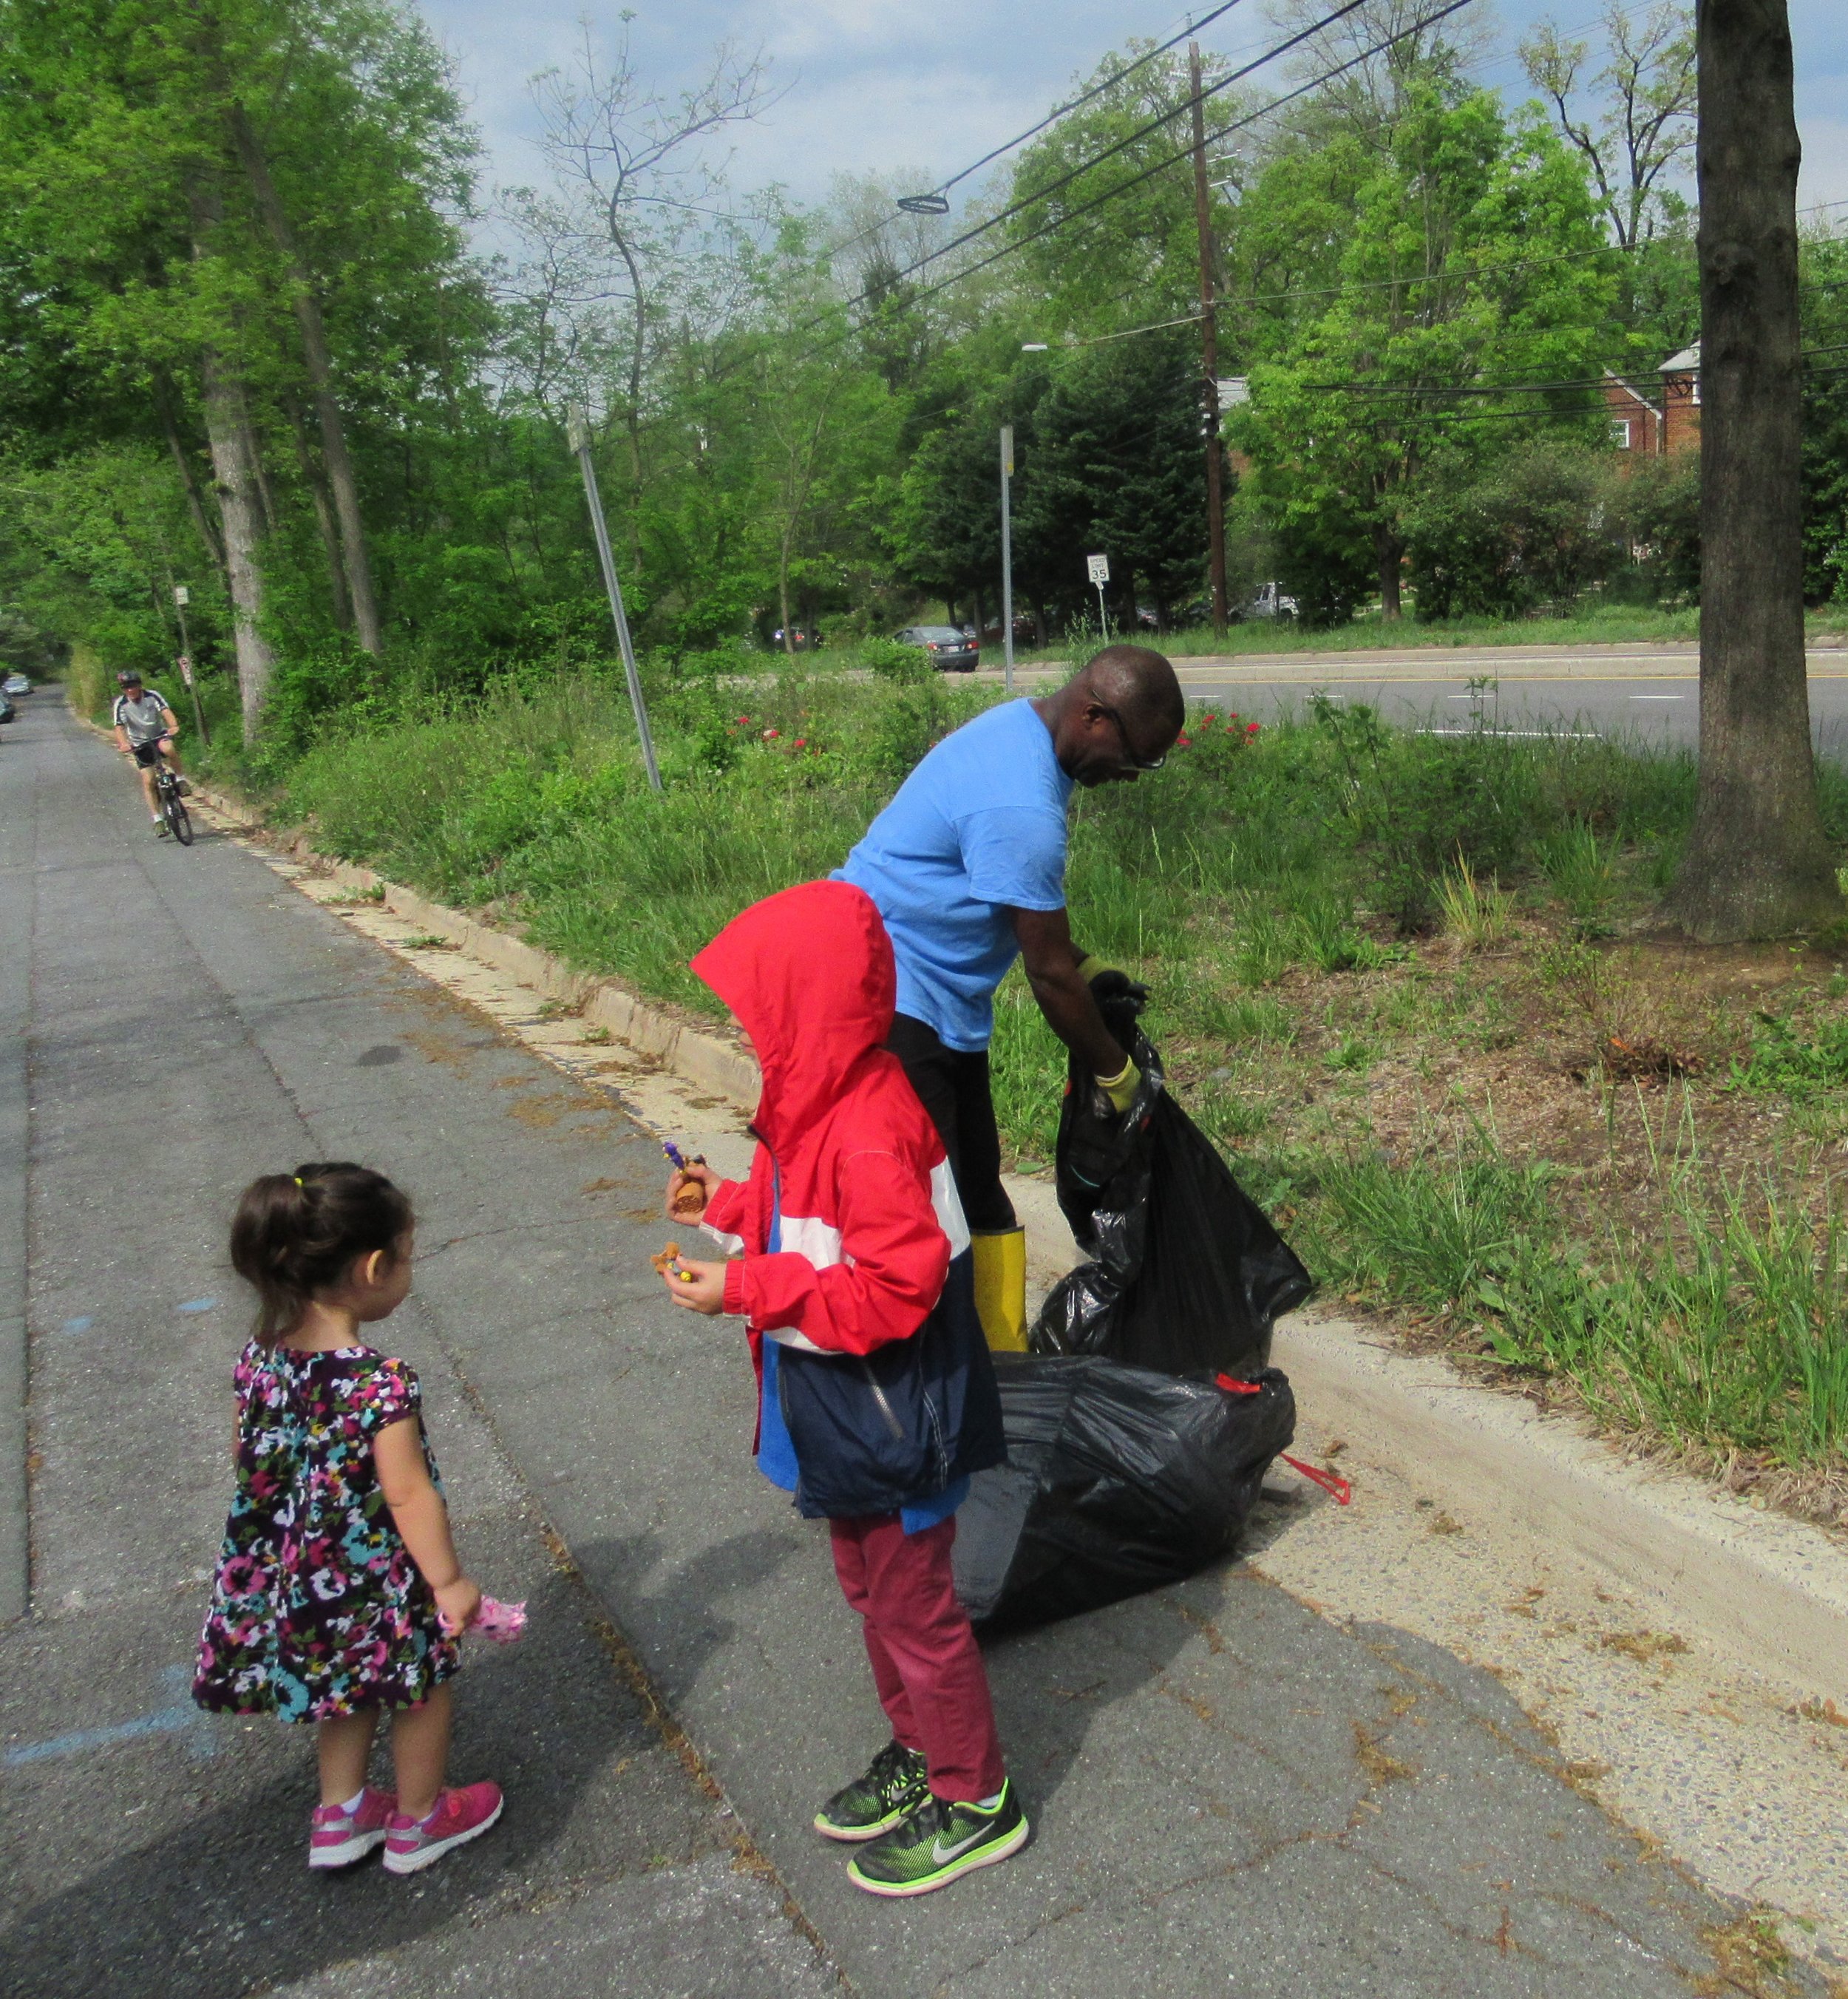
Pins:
x: 456, y: 1817
x: 338, y: 1837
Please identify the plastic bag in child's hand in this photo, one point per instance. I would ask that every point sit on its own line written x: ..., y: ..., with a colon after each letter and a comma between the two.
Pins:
x: 1186, y: 1272
x: 1118, y: 1480
x: 502, y: 1622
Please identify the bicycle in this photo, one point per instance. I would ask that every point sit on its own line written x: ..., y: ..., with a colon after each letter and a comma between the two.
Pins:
x: 167, y: 790
x: 173, y: 807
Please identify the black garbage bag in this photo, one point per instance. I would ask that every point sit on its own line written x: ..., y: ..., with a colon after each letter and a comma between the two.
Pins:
x: 1118, y: 1480
x: 1186, y: 1273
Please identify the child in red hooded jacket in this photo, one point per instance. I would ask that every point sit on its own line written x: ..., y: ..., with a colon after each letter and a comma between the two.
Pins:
x: 850, y: 1265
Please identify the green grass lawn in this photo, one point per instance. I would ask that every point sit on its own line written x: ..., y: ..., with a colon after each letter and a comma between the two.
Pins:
x: 1409, y: 984
x: 1610, y: 625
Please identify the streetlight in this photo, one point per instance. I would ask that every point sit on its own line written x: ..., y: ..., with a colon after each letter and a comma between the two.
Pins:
x: 577, y: 431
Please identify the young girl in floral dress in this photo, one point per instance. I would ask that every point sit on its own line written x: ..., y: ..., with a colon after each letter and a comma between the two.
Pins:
x: 338, y: 1593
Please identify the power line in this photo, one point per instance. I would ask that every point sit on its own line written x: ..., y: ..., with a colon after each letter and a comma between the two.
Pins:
x: 1143, y: 131
x: 1110, y: 194
x: 1096, y: 90
x: 1136, y: 180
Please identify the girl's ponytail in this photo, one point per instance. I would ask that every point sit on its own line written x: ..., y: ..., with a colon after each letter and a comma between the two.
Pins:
x: 296, y: 1234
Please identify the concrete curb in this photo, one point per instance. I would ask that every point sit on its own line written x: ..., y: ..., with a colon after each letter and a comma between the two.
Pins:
x: 1768, y: 1592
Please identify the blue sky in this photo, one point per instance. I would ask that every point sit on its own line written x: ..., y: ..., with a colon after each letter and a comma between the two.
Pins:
x: 883, y: 86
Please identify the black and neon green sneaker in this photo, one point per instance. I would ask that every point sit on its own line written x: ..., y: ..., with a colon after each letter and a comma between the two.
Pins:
x: 937, y: 1843
x: 889, y: 1792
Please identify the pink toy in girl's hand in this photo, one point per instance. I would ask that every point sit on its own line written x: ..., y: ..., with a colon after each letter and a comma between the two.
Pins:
x: 502, y: 1622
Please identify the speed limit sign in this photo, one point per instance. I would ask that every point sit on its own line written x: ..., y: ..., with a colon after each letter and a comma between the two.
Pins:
x: 1100, y: 566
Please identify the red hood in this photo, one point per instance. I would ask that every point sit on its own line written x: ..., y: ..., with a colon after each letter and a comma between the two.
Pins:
x: 809, y: 974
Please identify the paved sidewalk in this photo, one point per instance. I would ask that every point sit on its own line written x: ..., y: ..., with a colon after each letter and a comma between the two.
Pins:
x: 1232, y: 1792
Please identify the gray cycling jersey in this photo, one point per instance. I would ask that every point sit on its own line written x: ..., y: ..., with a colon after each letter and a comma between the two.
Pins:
x: 144, y: 719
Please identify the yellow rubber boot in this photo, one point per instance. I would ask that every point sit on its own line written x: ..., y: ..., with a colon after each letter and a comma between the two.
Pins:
x: 1001, y: 1287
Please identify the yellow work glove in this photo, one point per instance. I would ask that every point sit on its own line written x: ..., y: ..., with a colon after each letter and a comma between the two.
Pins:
x: 1109, y: 982
x: 1121, y: 1088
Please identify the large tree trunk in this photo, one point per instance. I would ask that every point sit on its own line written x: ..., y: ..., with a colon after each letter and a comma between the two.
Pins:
x: 315, y: 479
x: 164, y: 400
x: 320, y: 375
x: 240, y: 509
x: 1388, y: 551
x: 236, y: 474
x: 1757, y: 863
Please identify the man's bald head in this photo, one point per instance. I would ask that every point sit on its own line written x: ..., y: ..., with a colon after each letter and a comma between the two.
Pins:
x: 1115, y: 717
x: 1141, y: 686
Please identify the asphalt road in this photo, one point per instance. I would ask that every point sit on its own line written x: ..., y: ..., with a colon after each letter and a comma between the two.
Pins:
x: 1232, y: 1792
x: 1650, y: 694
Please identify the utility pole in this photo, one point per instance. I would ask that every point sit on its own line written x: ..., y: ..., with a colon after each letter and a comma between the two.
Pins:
x: 577, y: 430
x: 1216, y: 496
x: 182, y: 598
x: 1007, y: 555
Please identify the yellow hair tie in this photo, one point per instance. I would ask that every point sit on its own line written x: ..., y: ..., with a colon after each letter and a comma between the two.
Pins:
x: 298, y: 1179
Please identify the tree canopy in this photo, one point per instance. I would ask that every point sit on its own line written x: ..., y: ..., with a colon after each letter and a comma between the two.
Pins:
x: 252, y: 346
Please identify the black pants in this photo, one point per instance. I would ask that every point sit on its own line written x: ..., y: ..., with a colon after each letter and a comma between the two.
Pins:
x: 953, y: 1086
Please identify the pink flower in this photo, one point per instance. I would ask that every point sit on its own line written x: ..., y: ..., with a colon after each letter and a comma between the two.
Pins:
x: 1251, y: 728
x: 770, y: 734
x: 1184, y: 741
x: 743, y: 720
x: 800, y: 742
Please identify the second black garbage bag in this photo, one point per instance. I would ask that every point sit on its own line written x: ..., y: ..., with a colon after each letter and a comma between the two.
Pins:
x: 1185, y: 1272
x: 1118, y: 1480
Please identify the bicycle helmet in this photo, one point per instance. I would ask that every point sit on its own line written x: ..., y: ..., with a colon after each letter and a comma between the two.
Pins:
x: 128, y: 677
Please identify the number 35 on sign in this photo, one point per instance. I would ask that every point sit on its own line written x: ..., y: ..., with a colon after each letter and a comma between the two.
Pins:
x: 1100, y: 566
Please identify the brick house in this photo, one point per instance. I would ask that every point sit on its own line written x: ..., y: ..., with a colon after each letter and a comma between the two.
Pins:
x: 1658, y: 429
x: 1681, y: 400
x: 1636, y: 423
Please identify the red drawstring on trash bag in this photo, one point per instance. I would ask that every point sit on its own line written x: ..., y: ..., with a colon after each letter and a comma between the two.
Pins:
x: 1330, y: 1482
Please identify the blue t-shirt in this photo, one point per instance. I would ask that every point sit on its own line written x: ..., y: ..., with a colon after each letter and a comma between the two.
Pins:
x: 976, y: 829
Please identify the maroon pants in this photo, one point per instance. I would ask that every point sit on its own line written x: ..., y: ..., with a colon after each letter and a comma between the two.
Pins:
x: 926, y: 1664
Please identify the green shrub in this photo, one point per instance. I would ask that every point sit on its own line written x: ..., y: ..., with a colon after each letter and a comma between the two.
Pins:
x: 904, y: 666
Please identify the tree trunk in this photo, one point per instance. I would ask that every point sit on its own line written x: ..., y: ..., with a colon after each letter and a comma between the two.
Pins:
x: 240, y: 510
x: 236, y: 475
x: 632, y: 422
x: 313, y: 478
x: 1757, y: 863
x: 196, y: 505
x: 320, y: 375
x: 789, y: 647
x: 1389, y: 551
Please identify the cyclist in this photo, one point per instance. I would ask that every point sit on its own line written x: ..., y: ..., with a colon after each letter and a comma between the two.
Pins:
x: 145, y: 728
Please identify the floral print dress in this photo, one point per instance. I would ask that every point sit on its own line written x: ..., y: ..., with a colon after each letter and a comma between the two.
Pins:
x: 317, y: 1609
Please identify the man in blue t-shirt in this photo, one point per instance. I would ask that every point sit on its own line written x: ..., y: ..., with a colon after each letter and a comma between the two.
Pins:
x: 968, y: 867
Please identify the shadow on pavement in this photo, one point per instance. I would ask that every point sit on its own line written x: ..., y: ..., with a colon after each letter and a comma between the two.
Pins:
x: 225, y: 1905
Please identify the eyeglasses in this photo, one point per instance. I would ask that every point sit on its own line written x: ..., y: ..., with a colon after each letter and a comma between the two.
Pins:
x: 1128, y: 749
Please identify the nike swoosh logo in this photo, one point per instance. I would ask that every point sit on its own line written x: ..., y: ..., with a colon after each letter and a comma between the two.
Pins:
x: 941, y: 1854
